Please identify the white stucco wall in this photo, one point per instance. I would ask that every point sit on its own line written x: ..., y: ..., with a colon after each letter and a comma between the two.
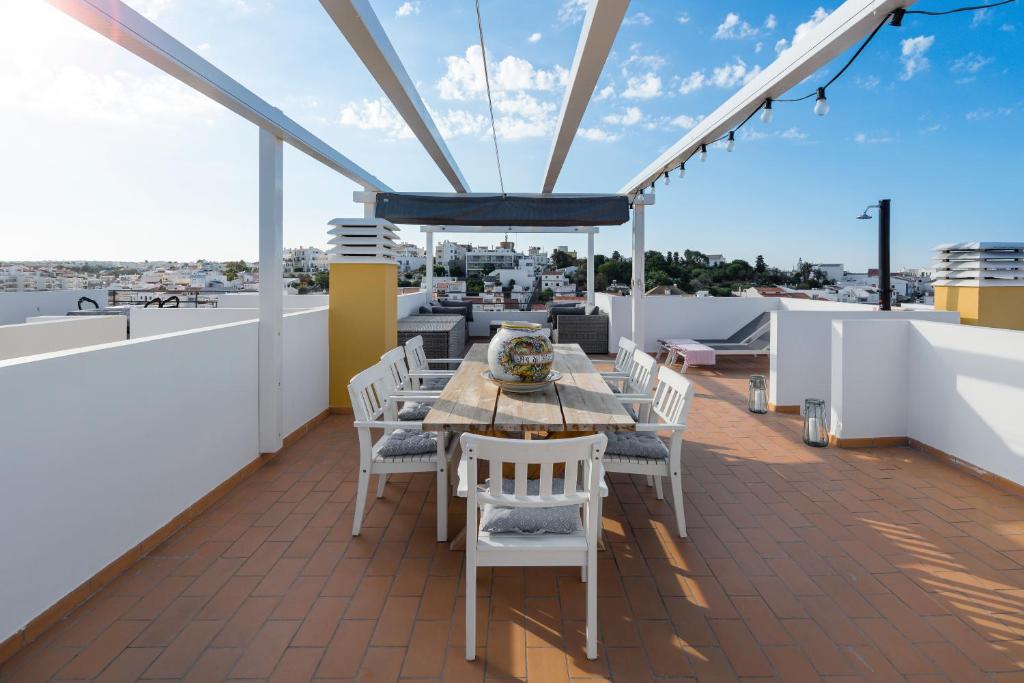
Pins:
x: 305, y: 378
x: 409, y: 304
x: 149, y: 322
x: 60, y: 334
x: 868, y: 378
x: 252, y: 300
x: 15, y: 307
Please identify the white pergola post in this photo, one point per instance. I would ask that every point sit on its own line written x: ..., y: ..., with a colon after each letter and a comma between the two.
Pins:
x: 590, y: 269
x: 270, y: 355
x: 428, y: 276
x: 637, y: 285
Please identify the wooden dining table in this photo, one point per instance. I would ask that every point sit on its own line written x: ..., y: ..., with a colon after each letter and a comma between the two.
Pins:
x: 580, y: 401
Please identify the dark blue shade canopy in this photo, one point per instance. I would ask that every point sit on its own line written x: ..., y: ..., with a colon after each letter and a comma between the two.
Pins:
x: 542, y: 210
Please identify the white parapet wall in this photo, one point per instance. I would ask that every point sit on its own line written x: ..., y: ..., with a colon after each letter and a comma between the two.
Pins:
x: 103, y: 446
x: 409, y: 304
x: 801, y: 333
x: 60, y: 334
x: 15, y: 307
x: 954, y: 388
x: 149, y: 322
x: 252, y: 300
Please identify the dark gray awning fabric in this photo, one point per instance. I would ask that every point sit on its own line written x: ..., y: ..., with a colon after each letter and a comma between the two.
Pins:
x: 546, y: 210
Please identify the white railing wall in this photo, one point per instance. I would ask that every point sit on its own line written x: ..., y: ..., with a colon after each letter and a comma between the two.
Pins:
x: 409, y: 304
x: 15, y: 307
x: 955, y: 388
x: 60, y: 334
x: 150, y: 322
x: 252, y: 300
x: 103, y: 446
x: 801, y: 351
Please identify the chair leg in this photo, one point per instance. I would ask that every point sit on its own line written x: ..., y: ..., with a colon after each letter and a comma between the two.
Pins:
x: 470, y: 609
x: 677, y: 502
x: 657, y: 488
x: 650, y: 480
x: 591, y: 569
x: 362, y: 488
x: 442, y: 502
x: 382, y: 480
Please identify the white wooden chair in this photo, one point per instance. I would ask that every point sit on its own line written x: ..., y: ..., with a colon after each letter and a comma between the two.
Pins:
x: 419, y: 366
x: 622, y: 364
x: 645, y: 452
x: 399, y: 449
x: 581, y: 487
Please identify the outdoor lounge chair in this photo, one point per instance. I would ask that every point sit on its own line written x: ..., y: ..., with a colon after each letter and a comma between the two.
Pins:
x: 753, y: 339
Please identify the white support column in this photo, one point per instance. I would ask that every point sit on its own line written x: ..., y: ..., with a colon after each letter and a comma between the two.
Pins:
x: 637, y: 284
x: 428, y: 276
x: 271, y: 358
x: 590, y: 269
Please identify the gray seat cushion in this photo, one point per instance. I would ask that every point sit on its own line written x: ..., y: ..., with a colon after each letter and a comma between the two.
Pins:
x: 614, y: 387
x: 636, y: 445
x: 408, y: 442
x: 435, y: 383
x: 531, y: 521
x: 413, y: 411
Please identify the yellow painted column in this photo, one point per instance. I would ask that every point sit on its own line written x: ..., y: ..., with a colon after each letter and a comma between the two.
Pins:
x: 362, y: 321
x: 991, y: 306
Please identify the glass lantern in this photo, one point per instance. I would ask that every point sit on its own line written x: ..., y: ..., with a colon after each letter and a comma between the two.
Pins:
x: 815, y: 423
x: 757, y: 395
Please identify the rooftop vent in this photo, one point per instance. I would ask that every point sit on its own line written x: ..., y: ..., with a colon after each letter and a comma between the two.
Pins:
x: 362, y: 240
x: 974, y: 264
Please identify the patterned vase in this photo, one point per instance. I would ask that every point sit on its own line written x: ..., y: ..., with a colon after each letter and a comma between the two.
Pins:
x: 520, y: 352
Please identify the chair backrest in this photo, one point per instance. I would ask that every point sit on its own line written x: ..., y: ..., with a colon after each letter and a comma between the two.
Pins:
x: 394, y: 363
x: 642, y: 373
x: 624, y: 355
x: 369, y: 391
x: 752, y: 330
x: 572, y: 453
x: 415, y: 355
x: 673, y: 397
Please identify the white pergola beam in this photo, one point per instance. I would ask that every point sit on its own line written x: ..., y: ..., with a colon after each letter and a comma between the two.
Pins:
x: 132, y: 31
x: 848, y: 24
x: 359, y: 24
x: 596, y: 38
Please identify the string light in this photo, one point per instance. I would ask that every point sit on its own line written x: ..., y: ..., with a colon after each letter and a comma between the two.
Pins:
x: 668, y: 180
x: 821, y: 104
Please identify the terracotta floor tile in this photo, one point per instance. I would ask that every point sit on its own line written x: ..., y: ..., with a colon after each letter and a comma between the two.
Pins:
x: 546, y: 665
x: 213, y: 665
x: 745, y: 656
x: 396, y: 621
x: 246, y: 622
x: 381, y: 664
x: 129, y: 665
x: 628, y: 664
x: 95, y: 657
x: 664, y: 648
x: 320, y: 622
x: 265, y: 649
x: 427, y: 648
x: 177, y: 658
x: 345, y: 652
x: 297, y: 665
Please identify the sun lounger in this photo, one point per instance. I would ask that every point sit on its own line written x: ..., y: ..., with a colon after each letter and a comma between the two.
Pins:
x: 753, y: 339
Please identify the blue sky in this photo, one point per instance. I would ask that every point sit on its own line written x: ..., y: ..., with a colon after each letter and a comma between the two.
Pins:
x: 105, y: 157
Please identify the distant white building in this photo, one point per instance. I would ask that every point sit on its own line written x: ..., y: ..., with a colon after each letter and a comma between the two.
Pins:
x: 409, y: 257
x: 716, y: 260
x: 448, y: 251
x: 483, y: 261
x: 521, y: 276
x: 833, y: 271
x: 304, y: 260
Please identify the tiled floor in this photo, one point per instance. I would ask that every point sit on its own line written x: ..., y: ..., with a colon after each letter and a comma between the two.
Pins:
x: 801, y: 564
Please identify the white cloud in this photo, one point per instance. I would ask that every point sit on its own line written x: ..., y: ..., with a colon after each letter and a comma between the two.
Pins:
x: 793, y: 133
x: 1008, y: 28
x: 643, y: 87
x: 638, y: 19
x: 758, y: 46
x: 684, y: 121
x: 118, y: 97
x: 464, y: 77
x: 695, y: 81
x: 378, y: 114
x: 802, y: 30
x: 573, y: 11
x: 869, y: 82
x: 534, y: 38
x: 408, y: 8
x: 771, y: 22
x: 980, y: 17
x: 730, y: 75
x: 932, y: 128
x: 598, y: 135
x: 865, y: 139
x: 970, y: 63
x: 683, y: 18
x: 458, y: 122
x: 605, y: 93
x: 630, y: 117
x: 979, y: 114
x: 912, y: 55
x: 733, y: 27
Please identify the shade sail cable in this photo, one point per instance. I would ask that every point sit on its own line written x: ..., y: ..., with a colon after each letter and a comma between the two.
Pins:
x: 490, y: 104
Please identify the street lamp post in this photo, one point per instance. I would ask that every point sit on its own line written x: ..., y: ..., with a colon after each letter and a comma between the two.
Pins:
x: 884, y: 285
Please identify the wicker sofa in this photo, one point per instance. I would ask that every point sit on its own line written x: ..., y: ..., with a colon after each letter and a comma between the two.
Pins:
x: 589, y: 331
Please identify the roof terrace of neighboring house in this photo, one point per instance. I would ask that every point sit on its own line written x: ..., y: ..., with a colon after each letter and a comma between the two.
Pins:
x: 202, y: 527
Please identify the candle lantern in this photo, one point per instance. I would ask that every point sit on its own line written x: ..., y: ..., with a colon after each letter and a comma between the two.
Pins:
x: 757, y: 395
x: 815, y: 423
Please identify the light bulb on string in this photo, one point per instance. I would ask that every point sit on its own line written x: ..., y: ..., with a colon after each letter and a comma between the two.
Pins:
x: 668, y: 180
x: 766, y: 112
x: 682, y: 170
x: 821, y: 104
x: 703, y: 152
x: 730, y: 144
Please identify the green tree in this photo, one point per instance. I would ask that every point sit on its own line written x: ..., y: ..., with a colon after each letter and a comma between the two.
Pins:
x: 759, y: 264
x: 438, y: 270
x: 455, y: 269
x: 323, y: 280
x: 561, y: 259
x: 547, y: 295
